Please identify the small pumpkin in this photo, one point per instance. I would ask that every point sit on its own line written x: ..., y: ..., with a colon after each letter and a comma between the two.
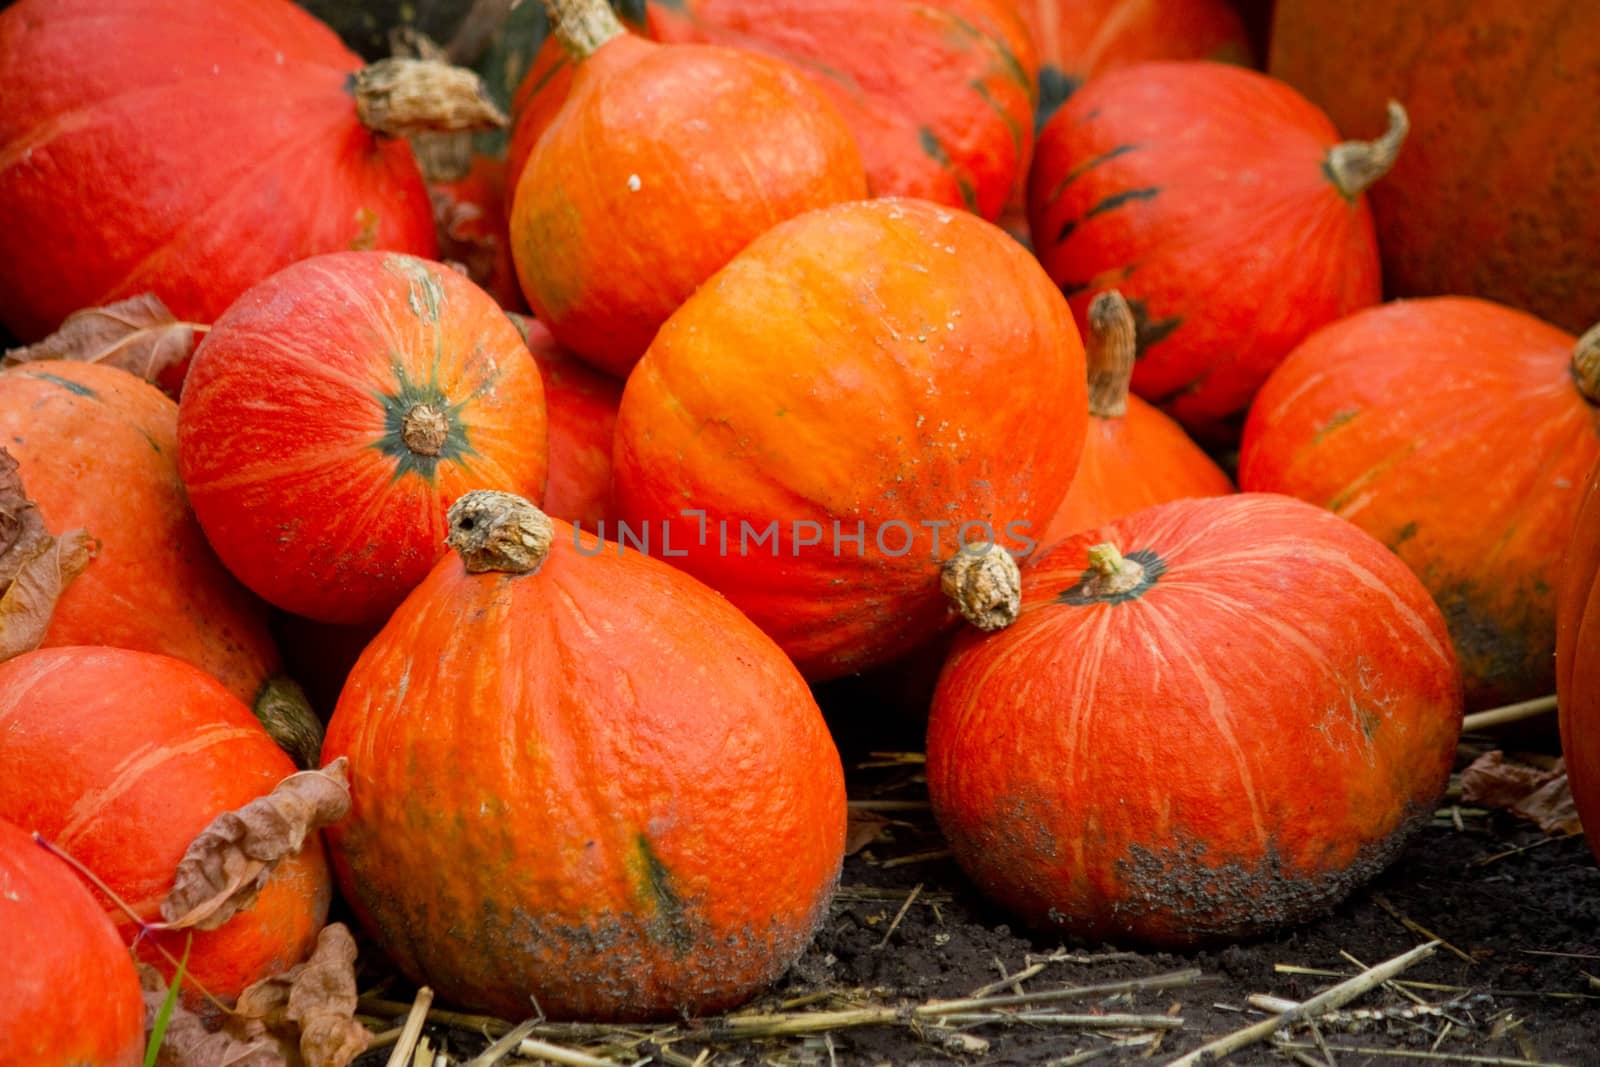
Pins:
x: 1515, y: 224
x: 204, y: 145
x: 701, y: 800
x: 1213, y: 718
x: 144, y: 751
x: 660, y: 165
x: 333, y: 413
x: 1134, y: 456
x: 1458, y: 432
x: 1227, y: 211
x: 1578, y: 661
x: 71, y: 994
x: 830, y: 426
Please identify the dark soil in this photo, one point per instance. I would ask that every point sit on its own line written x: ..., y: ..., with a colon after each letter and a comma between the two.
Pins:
x: 1523, y: 906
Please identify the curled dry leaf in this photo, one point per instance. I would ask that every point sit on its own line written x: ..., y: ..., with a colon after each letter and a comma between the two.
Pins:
x: 1541, y: 796
x: 315, y: 999
x: 863, y: 828
x: 34, y: 565
x: 138, y: 334
x: 188, y: 1042
x: 229, y: 862
x: 463, y: 236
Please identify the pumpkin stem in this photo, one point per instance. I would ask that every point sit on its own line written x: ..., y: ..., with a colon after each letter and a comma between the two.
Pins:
x: 400, y: 95
x: 1114, y: 572
x: 495, y: 531
x: 1586, y: 364
x: 424, y: 429
x: 284, y: 710
x: 443, y: 156
x: 985, y: 584
x: 1355, y: 165
x: 1113, y: 345
x: 582, y: 26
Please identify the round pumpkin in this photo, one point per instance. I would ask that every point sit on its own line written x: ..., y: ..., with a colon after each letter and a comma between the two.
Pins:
x: 1077, y: 40
x: 698, y: 800
x: 1578, y: 660
x: 1459, y: 433
x: 829, y: 427
x: 1134, y: 456
x: 143, y: 752
x: 1495, y: 197
x: 1227, y: 211
x: 660, y: 165
x: 582, y: 404
x: 71, y: 995
x: 190, y: 148
x: 335, y: 411
x: 1213, y: 718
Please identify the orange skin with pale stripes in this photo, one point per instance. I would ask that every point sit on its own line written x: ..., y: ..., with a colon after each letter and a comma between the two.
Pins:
x: 1451, y: 430
x: 1578, y: 661
x: 208, y: 144
x: 1233, y: 747
x: 120, y: 759
x: 289, y: 428
x: 626, y: 796
x: 98, y: 450
x: 1197, y: 189
x: 71, y: 995
x: 878, y: 362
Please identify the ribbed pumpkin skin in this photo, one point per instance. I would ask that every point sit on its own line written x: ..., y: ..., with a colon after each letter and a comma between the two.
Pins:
x: 630, y: 798
x: 208, y: 144
x: 1197, y: 190
x: 98, y: 450
x: 291, y: 427
x: 1233, y: 747
x: 889, y: 361
x: 940, y: 93
x: 1451, y: 430
x: 1578, y: 661
x: 661, y: 164
x: 1133, y: 461
x: 1495, y: 193
x: 1082, y: 38
x: 69, y: 996
x: 582, y: 405
x: 120, y: 759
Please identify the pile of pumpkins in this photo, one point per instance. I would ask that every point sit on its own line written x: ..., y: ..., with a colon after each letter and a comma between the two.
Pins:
x: 798, y: 341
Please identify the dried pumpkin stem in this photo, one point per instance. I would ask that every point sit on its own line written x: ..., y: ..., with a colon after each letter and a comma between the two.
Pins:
x: 1355, y: 165
x: 399, y: 96
x: 1113, y: 344
x: 985, y: 584
x: 1114, y: 572
x: 582, y: 26
x: 1586, y: 364
x: 424, y: 429
x: 495, y: 531
x: 283, y: 709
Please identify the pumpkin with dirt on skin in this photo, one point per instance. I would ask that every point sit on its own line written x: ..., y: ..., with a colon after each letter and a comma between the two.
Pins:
x: 828, y: 430
x: 143, y: 752
x: 1225, y: 208
x: 333, y: 414
x: 207, y: 144
x: 70, y: 991
x: 1212, y: 718
x: 702, y: 799
x: 1578, y: 661
x: 1459, y: 433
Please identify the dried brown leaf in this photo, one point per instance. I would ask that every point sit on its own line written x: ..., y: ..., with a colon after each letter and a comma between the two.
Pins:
x: 34, y: 566
x: 188, y: 1042
x: 314, y: 1000
x: 228, y: 863
x: 1540, y: 795
x: 138, y: 335
x: 1551, y: 806
x: 863, y: 828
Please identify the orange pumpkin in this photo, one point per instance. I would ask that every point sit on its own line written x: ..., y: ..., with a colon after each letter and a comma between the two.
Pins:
x: 1459, y: 433
x: 821, y: 429
x: 698, y: 799
x: 1578, y: 661
x: 70, y: 992
x: 1213, y: 718
x: 470, y: 216
x: 143, y: 752
x: 659, y: 166
x: 334, y: 412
